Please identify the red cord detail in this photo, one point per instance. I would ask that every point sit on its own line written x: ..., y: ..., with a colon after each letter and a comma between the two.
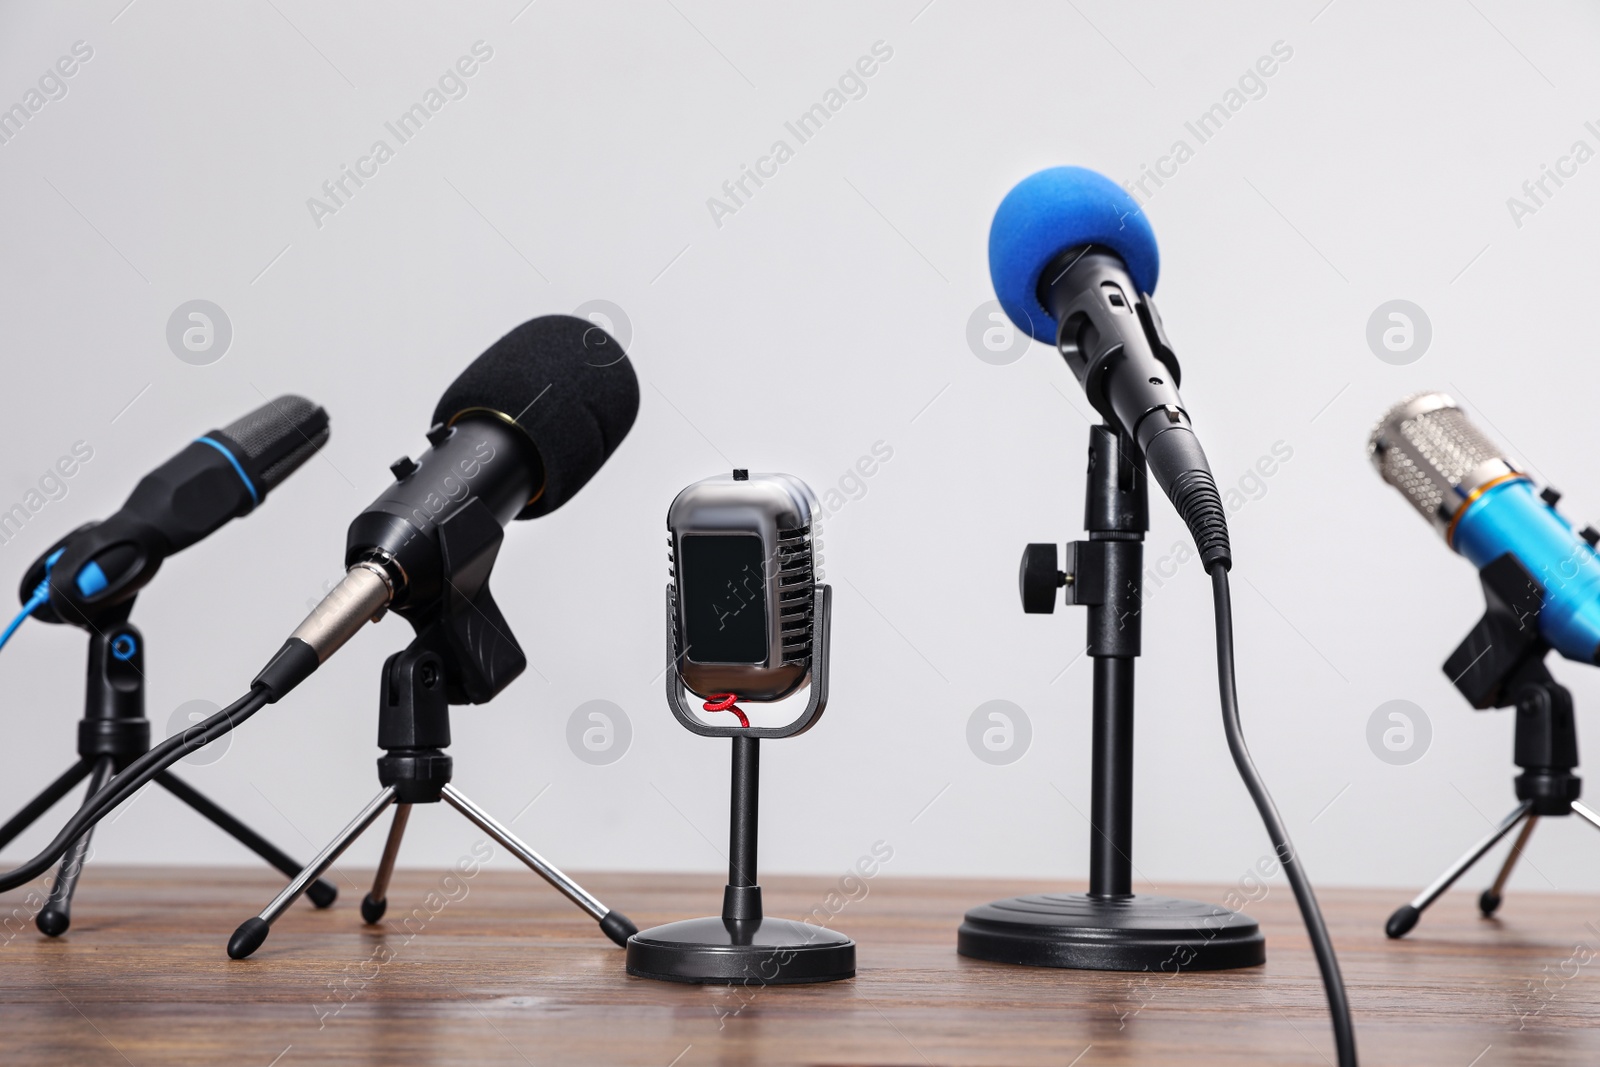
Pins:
x: 725, y: 702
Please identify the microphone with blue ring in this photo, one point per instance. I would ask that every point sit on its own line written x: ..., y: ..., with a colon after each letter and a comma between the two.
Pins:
x: 93, y: 574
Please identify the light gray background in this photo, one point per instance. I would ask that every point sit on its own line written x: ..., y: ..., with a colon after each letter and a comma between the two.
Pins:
x: 828, y: 314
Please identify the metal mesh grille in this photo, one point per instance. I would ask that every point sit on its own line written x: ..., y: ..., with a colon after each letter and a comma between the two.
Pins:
x: 291, y: 463
x: 796, y: 589
x: 280, y: 428
x: 1426, y: 446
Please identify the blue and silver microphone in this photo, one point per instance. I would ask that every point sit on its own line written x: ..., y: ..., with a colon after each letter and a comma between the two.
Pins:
x: 1462, y: 483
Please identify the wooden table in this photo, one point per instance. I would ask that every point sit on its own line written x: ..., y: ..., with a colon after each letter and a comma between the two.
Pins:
x: 505, y: 972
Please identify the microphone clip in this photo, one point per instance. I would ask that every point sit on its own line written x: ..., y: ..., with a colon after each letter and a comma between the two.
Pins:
x: 467, y: 629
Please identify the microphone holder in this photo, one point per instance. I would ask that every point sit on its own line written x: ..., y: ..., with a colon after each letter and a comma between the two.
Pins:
x: 744, y: 946
x: 112, y: 734
x: 462, y: 653
x: 1109, y: 928
x: 1501, y: 664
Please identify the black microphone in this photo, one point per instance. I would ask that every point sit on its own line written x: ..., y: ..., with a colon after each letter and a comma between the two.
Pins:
x: 1073, y: 262
x: 96, y: 571
x: 515, y: 436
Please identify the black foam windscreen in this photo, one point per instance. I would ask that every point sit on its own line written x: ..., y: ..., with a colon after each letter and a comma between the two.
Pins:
x: 568, y: 384
x: 277, y: 437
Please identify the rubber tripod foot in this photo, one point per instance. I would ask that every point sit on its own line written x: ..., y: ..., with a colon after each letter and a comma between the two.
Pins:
x: 248, y: 937
x: 323, y: 893
x: 53, y: 923
x: 1401, y: 922
x: 1489, y: 903
x: 372, y: 910
x: 618, y: 927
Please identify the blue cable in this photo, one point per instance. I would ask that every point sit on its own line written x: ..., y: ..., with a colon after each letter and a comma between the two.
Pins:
x: 40, y: 597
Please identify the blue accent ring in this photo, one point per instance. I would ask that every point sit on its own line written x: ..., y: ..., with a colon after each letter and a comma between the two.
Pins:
x: 123, y: 646
x: 255, y: 498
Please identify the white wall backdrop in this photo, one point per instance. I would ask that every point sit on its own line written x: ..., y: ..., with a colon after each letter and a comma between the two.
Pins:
x: 826, y: 312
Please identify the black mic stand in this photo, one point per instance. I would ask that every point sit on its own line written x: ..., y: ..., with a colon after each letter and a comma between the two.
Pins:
x: 743, y: 945
x: 112, y: 734
x: 1501, y: 664
x: 1108, y: 928
x: 463, y: 653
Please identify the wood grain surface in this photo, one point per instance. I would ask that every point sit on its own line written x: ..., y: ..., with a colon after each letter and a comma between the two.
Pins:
x: 497, y: 969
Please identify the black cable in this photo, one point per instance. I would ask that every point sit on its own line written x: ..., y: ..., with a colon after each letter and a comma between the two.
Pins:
x: 132, y: 777
x: 1344, y: 1037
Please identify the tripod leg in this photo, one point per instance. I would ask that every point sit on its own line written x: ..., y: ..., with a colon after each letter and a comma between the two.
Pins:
x: 617, y: 926
x: 54, y: 918
x: 44, y: 801
x: 374, y: 903
x: 1489, y: 902
x: 321, y: 892
x: 1406, y: 916
x: 1587, y: 813
x: 248, y: 937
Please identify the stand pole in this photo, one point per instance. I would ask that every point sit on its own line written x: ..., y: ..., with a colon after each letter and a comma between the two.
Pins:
x: 1111, y: 806
x: 1116, y: 515
x: 742, y: 898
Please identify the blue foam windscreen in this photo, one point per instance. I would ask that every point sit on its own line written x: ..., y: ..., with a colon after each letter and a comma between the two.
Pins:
x: 1054, y: 210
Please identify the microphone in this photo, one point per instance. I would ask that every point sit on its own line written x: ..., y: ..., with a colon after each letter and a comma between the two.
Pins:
x: 747, y: 620
x: 1485, y: 508
x: 515, y: 436
x: 1074, y: 261
x: 97, y: 570
x: 744, y: 580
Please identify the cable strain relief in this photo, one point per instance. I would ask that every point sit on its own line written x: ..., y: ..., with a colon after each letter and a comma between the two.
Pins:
x: 1194, y: 494
x: 292, y: 664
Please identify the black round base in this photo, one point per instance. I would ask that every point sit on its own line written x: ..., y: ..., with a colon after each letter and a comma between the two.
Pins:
x: 1080, y: 932
x: 713, y: 951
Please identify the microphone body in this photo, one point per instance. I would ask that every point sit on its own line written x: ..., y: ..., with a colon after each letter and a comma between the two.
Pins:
x: 224, y: 474
x: 1461, y: 482
x: 517, y: 434
x: 1073, y: 262
x: 480, y: 457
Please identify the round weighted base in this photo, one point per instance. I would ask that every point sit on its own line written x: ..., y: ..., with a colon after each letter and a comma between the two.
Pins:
x: 1080, y: 932
x: 757, y: 952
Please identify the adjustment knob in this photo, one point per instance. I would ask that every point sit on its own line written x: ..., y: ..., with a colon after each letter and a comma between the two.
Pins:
x: 1039, y: 578
x: 1590, y: 534
x: 403, y: 468
x: 1550, y: 495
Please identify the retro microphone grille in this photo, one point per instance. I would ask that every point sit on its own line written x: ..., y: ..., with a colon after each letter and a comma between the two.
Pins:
x: 569, y: 386
x: 1426, y: 447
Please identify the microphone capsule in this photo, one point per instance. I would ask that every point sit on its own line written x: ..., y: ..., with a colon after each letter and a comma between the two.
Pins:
x: 1426, y: 447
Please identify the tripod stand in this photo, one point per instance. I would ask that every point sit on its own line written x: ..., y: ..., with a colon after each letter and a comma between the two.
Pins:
x: 113, y: 733
x: 1109, y: 928
x: 1501, y: 664
x: 414, y: 729
x: 463, y: 653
